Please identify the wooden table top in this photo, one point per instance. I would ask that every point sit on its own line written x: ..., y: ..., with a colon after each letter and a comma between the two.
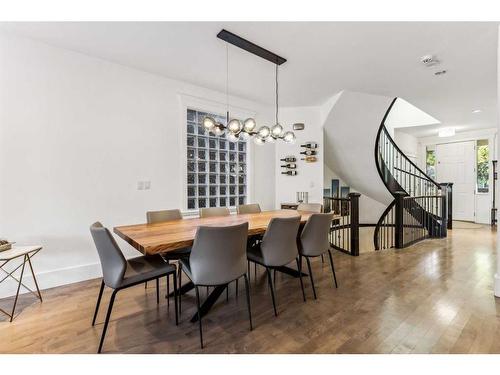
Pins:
x: 176, y: 234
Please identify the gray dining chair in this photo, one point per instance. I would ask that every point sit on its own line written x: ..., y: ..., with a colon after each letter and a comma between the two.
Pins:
x: 251, y: 208
x: 218, y: 257
x: 120, y: 273
x: 311, y: 207
x: 214, y: 211
x: 162, y: 216
x: 314, y: 242
x: 277, y: 249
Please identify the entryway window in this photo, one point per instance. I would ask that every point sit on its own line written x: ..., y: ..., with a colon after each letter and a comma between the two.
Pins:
x: 482, y: 166
x: 216, y: 167
x: 430, y: 162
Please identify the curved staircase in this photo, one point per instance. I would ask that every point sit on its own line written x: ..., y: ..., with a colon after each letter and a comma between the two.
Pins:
x: 419, y: 207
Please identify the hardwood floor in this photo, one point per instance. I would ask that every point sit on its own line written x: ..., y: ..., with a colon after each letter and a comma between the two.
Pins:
x: 434, y: 297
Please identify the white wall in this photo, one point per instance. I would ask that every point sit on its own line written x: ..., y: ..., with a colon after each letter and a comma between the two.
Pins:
x: 408, y: 144
x: 483, y: 201
x: 76, y: 134
x: 309, y: 175
x: 353, y: 157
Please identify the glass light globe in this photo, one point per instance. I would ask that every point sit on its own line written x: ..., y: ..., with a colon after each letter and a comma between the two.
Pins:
x: 270, y: 139
x: 249, y: 124
x: 276, y: 130
x: 259, y: 141
x: 209, y: 123
x: 264, y: 132
x: 231, y: 137
x: 289, y: 137
x: 218, y: 130
x: 244, y: 135
x: 234, y: 126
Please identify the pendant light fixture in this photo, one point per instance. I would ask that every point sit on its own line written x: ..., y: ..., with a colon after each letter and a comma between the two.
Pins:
x: 235, y: 129
x: 270, y: 135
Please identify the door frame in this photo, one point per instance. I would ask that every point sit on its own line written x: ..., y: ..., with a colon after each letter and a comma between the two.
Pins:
x: 489, y: 134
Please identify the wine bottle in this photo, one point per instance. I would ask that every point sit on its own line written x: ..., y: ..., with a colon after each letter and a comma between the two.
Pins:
x: 290, y: 173
x: 310, y: 145
x: 308, y: 152
x: 310, y: 159
x: 289, y: 166
x: 289, y: 159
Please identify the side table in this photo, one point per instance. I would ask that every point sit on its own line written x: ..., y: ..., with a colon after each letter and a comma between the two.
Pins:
x: 26, y: 253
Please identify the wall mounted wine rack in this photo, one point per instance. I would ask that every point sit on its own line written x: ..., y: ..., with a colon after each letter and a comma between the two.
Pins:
x: 289, y: 165
x: 310, y: 151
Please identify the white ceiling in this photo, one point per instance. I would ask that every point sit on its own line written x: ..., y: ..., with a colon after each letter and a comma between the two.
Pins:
x: 323, y: 58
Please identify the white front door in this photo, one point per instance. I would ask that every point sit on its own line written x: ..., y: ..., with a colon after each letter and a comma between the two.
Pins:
x: 456, y: 163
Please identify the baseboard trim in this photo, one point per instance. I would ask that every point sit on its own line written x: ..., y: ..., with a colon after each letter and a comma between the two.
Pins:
x: 52, y: 278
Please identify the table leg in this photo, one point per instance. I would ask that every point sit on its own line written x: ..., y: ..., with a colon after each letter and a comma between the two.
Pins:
x: 289, y: 271
x: 209, y: 302
x: 183, y: 289
x: 34, y: 278
x: 18, y: 287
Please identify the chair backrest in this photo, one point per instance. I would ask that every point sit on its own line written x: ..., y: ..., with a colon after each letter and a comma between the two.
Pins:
x: 113, y: 262
x: 314, y: 237
x: 279, y: 243
x: 163, y: 215
x: 214, y: 211
x: 218, y: 255
x: 252, y: 208
x: 311, y: 207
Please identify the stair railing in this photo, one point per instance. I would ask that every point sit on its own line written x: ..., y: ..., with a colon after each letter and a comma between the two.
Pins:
x: 344, y: 231
x: 419, y: 207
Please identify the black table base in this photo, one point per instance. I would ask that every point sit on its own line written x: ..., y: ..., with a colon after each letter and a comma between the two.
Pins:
x: 218, y: 290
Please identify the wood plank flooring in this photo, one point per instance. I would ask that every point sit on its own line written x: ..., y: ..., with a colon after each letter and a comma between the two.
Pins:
x: 434, y: 297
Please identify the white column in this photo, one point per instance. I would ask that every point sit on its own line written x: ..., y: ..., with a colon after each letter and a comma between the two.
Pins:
x: 497, y: 274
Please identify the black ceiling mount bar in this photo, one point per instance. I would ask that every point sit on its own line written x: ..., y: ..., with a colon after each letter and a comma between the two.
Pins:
x: 250, y: 47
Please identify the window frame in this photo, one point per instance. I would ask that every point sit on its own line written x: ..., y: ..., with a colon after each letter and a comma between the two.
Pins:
x: 197, y: 104
x: 476, y: 150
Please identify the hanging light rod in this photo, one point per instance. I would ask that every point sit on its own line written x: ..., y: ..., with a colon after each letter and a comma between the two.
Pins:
x: 248, y: 46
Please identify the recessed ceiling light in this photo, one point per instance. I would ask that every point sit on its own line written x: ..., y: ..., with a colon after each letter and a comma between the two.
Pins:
x: 446, y: 132
x: 477, y: 111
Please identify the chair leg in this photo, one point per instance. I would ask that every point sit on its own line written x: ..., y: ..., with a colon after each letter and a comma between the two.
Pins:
x: 248, y: 271
x: 322, y: 259
x: 98, y: 302
x: 180, y: 286
x: 158, y: 291
x: 227, y: 292
x: 168, y: 289
x: 199, y: 314
x: 333, y: 268
x: 247, y: 289
x: 108, y: 315
x: 270, y: 281
x: 237, y: 287
x: 146, y: 285
x: 176, y: 295
x: 299, y: 268
x: 274, y: 277
x: 311, y: 276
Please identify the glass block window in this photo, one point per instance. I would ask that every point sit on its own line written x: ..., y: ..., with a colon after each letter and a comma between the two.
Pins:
x: 216, y: 168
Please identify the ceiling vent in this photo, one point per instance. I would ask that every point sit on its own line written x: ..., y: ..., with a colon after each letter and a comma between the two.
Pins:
x: 429, y: 60
x: 440, y: 72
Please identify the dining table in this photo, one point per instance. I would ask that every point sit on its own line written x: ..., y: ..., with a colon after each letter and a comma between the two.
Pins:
x: 163, y: 237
